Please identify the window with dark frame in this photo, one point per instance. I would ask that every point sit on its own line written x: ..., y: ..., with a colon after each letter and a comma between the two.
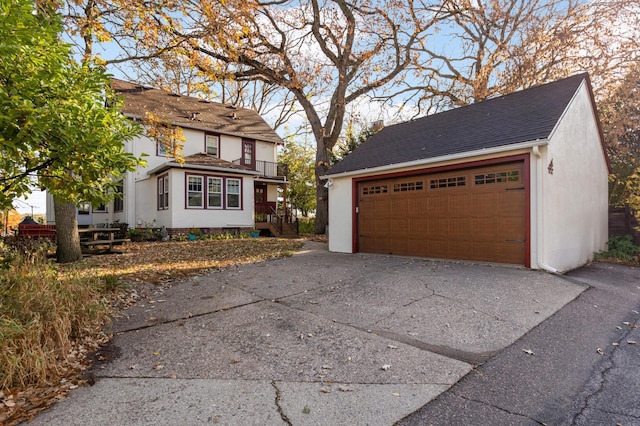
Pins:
x: 219, y: 192
x: 118, y: 201
x: 163, y: 192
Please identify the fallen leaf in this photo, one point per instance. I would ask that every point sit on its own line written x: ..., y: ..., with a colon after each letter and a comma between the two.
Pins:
x: 632, y: 342
x: 600, y: 351
x: 386, y: 367
x: 324, y: 390
x: 395, y: 394
x: 344, y: 388
x: 327, y: 367
x: 392, y: 346
x: 528, y: 351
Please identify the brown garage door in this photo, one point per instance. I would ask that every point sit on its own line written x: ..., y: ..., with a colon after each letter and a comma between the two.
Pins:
x: 472, y: 214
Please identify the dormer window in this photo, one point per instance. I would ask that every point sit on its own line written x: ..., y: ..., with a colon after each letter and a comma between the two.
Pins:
x: 212, y: 143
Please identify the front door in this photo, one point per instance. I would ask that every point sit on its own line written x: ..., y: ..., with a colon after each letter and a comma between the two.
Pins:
x: 261, y: 204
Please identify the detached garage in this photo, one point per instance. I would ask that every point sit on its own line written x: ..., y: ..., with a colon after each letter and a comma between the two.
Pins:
x: 519, y: 179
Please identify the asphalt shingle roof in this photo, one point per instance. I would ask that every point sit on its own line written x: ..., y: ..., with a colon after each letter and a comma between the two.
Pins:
x: 523, y: 116
x: 194, y: 113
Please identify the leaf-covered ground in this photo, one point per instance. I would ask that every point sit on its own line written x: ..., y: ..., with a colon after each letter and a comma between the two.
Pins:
x: 159, y: 262
x: 138, y: 266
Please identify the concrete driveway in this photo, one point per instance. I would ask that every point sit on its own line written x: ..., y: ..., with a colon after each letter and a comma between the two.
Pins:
x: 316, y: 339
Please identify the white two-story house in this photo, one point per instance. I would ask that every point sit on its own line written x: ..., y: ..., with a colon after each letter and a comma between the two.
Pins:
x: 229, y: 180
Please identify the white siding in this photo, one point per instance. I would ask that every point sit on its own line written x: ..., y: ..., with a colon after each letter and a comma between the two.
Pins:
x: 572, y: 211
x: 340, y: 215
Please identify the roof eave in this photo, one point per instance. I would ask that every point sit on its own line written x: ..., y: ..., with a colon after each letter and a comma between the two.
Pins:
x: 444, y: 158
x: 175, y: 165
x: 211, y: 130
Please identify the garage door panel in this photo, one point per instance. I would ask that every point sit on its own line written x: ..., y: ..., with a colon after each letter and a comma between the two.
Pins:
x: 475, y: 214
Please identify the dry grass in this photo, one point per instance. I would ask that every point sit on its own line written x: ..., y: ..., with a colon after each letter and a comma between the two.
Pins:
x: 51, y: 316
x: 42, y: 314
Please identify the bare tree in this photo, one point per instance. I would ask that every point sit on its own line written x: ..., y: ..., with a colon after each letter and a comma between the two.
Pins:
x: 495, y: 47
x: 326, y: 53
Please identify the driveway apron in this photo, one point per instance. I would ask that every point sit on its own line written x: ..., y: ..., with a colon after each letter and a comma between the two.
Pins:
x: 317, y: 338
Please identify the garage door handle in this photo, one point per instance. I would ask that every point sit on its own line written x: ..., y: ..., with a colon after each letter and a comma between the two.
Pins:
x: 514, y: 241
x: 515, y: 189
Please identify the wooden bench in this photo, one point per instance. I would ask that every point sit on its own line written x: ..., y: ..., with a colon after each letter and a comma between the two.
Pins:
x: 93, y: 244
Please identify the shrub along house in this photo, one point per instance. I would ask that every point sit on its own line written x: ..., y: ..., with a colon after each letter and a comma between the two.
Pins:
x: 518, y: 179
x: 229, y: 180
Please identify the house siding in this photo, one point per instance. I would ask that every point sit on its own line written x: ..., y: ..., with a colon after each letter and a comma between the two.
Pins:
x: 572, y: 194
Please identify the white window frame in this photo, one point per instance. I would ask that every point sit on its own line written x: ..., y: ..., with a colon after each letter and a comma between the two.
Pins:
x: 194, y: 191
x: 229, y: 193
x: 207, y: 144
x: 220, y: 181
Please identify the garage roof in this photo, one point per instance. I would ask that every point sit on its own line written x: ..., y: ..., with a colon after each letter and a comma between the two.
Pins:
x: 523, y: 116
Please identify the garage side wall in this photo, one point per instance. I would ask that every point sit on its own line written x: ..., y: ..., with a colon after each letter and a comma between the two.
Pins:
x: 340, y: 215
x: 573, y: 175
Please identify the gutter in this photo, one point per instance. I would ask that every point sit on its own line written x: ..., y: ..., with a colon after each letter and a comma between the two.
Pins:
x: 459, y: 156
x: 174, y: 165
x: 541, y: 262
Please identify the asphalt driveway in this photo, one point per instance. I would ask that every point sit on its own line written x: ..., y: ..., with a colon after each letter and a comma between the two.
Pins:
x: 318, y: 338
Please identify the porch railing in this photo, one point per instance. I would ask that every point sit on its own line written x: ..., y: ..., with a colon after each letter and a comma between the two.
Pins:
x: 268, y: 168
x: 268, y: 214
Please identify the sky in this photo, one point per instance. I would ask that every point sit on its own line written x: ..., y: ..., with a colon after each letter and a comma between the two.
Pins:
x: 36, y: 200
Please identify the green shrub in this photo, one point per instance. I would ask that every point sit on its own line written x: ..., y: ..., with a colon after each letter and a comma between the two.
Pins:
x: 306, y: 225
x: 621, y: 248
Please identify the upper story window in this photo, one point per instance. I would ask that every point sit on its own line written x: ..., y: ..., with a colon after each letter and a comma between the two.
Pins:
x: 212, y: 145
x: 161, y: 150
x: 249, y: 153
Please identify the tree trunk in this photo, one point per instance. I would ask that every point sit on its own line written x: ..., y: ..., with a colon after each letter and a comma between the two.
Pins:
x: 322, y: 193
x: 67, y: 238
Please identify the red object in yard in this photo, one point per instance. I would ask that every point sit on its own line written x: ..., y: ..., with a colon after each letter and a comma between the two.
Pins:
x: 36, y: 231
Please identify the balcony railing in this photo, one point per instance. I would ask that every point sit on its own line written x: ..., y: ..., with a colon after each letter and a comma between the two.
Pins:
x: 268, y: 169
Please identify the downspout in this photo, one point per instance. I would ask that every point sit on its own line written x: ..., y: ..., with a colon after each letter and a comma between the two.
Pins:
x: 540, y: 216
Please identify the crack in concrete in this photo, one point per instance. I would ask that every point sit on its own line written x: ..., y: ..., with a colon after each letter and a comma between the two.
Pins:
x: 278, y: 399
x: 170, y: 321
x: 499, y: 408
x: 607, y: 365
